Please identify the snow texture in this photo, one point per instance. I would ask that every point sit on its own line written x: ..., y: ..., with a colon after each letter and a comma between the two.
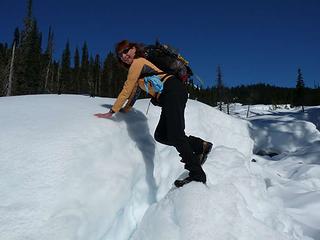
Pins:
x: 66, y: 174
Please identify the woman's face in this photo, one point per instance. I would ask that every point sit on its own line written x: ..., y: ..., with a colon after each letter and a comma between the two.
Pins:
x: 127, y: 55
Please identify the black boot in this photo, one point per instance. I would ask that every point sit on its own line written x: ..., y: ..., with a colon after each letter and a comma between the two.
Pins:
x: 207, y: 147
x: 197, y: 177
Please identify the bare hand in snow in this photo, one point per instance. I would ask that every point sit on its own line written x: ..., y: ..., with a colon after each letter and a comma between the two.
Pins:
x: 104, y: 115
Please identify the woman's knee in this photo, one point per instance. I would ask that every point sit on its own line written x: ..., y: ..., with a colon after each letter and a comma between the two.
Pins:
x: 159, y: 138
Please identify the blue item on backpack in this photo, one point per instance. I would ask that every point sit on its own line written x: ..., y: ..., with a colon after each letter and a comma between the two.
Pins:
x: 155, y: 82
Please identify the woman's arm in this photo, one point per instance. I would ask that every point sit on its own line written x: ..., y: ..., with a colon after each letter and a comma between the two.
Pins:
x: 129, y: 85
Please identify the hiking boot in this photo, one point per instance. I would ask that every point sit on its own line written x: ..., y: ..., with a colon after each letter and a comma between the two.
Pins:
x: 207, y: 147
x: 180, y: 182
x: 198, y: 175
x: 197, y: 178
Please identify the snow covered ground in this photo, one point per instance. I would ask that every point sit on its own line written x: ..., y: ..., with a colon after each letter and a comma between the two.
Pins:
x: 65, y: 174
x: 287, y: 148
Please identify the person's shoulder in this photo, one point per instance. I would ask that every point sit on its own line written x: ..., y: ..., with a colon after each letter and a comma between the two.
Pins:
x: 140, y: 60
x: 137, y: 63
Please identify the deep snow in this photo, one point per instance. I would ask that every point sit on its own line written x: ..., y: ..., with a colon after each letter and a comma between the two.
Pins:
x: 66, y: 174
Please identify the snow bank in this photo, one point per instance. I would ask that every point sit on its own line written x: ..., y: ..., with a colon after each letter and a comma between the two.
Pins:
x: 294, y: 178
x: 68, y: 175
x: 233, y: 205
x: 290, y: 143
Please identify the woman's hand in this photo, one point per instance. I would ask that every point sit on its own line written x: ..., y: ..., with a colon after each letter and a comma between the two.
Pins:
x: 104, y: 115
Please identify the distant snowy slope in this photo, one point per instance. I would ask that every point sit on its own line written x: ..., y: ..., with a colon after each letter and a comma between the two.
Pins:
x: 66, y: 174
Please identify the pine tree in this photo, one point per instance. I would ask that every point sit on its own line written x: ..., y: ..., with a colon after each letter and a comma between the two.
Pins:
x: 28, y: 71
x: 90, y: 77
x: 220, y: 88
x: 107, y: 88
x: 24, y: 47
x: 119, y: 77
x: 4, y: 58
x: 84, y: 70
x: 17, y: 43
x: 96, y: 75
x: 113, y: 76
x: 47, y: 62
x: 54, y: 81
x: 9, y: 87
x: 33, y: 73
x: 65, y: 83
x: 299, y: 92
x: 17, y: 39
x: 76, y: 71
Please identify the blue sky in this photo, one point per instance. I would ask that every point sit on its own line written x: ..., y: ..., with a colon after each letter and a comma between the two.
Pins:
x: 253, y: 41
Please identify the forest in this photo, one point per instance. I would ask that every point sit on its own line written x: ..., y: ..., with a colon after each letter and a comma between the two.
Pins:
x: 26, y: 67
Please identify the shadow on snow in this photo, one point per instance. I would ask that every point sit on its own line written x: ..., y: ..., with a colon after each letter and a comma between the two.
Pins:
x: 139, y: 132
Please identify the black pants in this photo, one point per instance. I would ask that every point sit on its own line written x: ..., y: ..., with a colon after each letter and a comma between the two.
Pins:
x: 170, y: 129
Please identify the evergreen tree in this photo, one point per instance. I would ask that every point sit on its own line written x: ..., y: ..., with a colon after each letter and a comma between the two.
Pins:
x: 16, y: 42
x: 113, y: 77
x: 33, y: 73
x: 28, y: 71
x: 107, y: 89
x: 10, y: 79
x: 96, y: 75
x: 76, y: 71
x: 24, y: 47
x: 299, y: 92
x: 220, y: 88
x: 90, y: 77
x: 120, y: 76
x: 84, y: 70
x: 4, y: 70
x: 54, y: 81
x: 65, y: 84
x: 17, y: 37
x: 47, y: 62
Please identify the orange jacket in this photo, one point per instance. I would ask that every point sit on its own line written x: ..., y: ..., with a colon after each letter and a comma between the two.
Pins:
x: 137, y: 70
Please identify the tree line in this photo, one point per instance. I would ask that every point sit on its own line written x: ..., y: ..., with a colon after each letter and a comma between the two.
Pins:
x: 260, y: 93
x: 25, y: 68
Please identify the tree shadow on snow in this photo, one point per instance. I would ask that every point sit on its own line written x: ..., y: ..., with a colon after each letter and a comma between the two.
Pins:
x: 270, y: 132
x: 139, y: 132
x: 310, y: 115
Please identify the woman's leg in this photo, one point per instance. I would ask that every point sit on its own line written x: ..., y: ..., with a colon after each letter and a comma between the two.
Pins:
x: 173, y: 123
x: 160, y: 134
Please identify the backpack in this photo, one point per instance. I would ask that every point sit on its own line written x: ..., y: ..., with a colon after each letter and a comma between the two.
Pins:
x: 168, y: 60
